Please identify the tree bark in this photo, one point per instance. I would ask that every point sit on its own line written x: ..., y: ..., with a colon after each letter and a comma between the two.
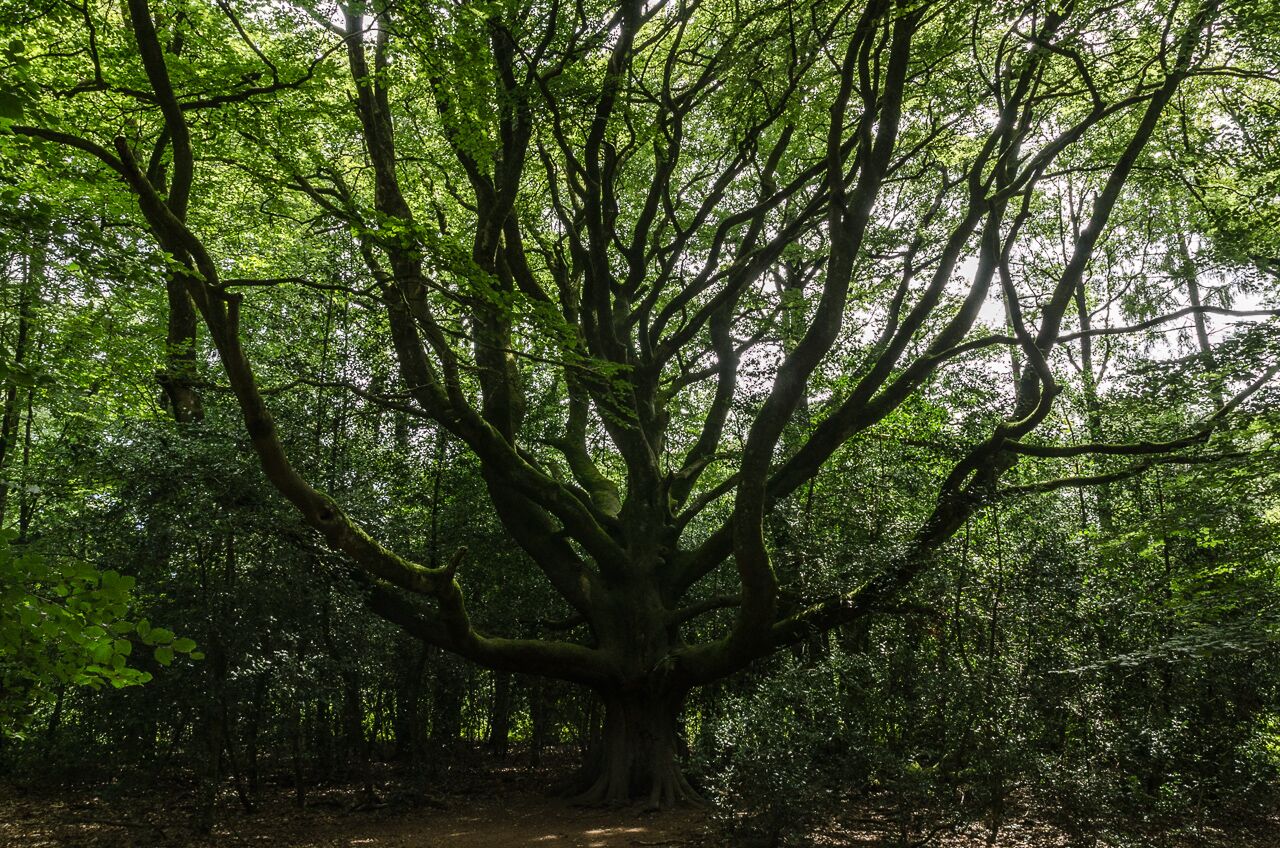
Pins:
x: 295, y: 751
x: 33, y: 274
x: 538, y: 720
x: 500, y: 717
x: 636, y: 756
x: 178, y: 379
x: 446, y: 704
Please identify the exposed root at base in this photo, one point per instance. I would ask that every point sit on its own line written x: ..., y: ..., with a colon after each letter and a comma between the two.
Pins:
x: 667, y: 789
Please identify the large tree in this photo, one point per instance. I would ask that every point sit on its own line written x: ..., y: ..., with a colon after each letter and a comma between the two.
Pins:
x: 653, y: 264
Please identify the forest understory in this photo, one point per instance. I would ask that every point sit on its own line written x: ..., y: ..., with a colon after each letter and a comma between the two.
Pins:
x: 482, y: 803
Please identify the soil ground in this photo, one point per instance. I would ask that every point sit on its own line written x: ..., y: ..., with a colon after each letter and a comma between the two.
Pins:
x: 504, y: 808
x: 495, y: 808
x: 519, y: 818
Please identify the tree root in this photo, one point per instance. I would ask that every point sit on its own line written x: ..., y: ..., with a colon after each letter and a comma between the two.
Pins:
x: 668, y: 788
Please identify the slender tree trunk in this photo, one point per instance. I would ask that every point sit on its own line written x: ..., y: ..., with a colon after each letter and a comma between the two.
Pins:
x: 500, y: 717
x: 55, y: 720
x: 295, y: 751
x: 1188, y: 271
x: 33, y: 272
x: 355, y: 741
x: 226, y: 718
x: 179, y: 728
x: 213, y: 736
x: 1161, y: 707
x: 253, y: 729
x: 446, y: 706
x: 408, y: 714
x: 233, y: 768
x: 995, y: 778
x: 1092, y: 402
x: 27, y: 497
x: 537, y: 721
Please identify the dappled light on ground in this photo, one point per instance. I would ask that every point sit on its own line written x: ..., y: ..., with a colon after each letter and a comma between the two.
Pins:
x: 484, y: 814
x: 511, y: 818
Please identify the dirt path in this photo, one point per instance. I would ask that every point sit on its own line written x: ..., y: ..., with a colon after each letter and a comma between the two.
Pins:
x: 493, y: 813
x: 519, y: 818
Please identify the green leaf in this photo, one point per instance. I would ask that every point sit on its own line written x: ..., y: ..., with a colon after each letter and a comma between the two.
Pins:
x: 10, y: 106
x: 164, y: 655
x: 184, y: 645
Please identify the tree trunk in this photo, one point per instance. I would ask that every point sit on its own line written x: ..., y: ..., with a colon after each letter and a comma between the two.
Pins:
x: 446, y: 704
x: 295, y: 746
x: 500, y: 717
x: 636, y: 756
x: 179, y: 377
x: 1092, y: 403
x: 537, y: 721
x: 253, y: 730
x: 409, y: 720
x: 33, y: 274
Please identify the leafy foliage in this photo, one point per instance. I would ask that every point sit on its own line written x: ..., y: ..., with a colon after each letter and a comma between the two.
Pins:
x: 69, y: 624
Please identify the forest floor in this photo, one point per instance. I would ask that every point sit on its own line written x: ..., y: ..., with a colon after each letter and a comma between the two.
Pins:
x: 520, y: 818
x: 496, y: 808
